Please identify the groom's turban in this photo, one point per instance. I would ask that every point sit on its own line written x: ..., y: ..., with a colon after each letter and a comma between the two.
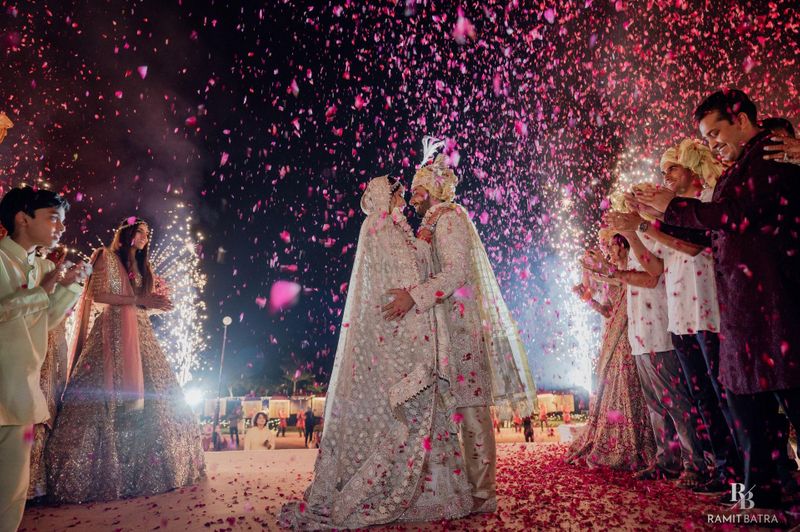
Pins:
x: 437, y: 178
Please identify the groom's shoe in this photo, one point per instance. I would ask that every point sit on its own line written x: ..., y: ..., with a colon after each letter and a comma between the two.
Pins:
x: 488, y: 506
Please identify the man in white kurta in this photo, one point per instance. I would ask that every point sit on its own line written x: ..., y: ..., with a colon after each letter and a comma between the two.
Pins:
x: 32, y: 301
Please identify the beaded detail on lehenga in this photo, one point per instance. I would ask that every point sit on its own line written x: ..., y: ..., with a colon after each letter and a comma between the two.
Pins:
x: 99, y: 449
x: 618, y: 433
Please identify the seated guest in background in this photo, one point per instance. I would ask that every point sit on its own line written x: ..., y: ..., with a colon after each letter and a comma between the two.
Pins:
x: 754, y: 220
x: 618, y: 432
x: 259, y: 437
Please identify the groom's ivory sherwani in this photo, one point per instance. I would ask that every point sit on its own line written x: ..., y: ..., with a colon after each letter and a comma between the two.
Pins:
x: 462, y: 355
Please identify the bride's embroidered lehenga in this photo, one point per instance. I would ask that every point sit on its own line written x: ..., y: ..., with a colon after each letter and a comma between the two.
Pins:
x: 618, y: 433
x: 124, y: 429
x: 389, y: 450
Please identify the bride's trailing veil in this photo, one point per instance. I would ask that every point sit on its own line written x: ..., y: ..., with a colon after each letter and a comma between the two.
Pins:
x: 385, y: 444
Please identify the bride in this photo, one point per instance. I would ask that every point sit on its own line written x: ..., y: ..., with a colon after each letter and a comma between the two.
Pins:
x: 389, y: 451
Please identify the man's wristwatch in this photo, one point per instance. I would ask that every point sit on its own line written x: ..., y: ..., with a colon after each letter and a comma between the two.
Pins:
x: 644, y: 226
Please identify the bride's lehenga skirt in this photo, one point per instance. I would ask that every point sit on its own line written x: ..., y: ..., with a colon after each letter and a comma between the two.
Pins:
x: 101, y: 450
x: 383, y: 486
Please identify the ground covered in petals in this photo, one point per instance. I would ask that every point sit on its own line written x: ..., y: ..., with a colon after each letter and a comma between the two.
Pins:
x: 536, y: 489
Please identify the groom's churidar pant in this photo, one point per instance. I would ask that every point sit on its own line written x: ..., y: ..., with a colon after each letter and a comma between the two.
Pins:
x: 480, y: 453
x: 15, y: 461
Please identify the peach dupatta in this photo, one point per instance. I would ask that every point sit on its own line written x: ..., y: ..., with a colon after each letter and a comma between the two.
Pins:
x: 109, y: 279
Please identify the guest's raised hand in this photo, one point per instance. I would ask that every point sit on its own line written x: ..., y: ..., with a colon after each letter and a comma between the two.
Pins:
x: 75, y: 273
x: 787, y: 150
x: 50, y: 279
x: 623, y: 222
x: 658, y: 199
x: 580, y: 290
x: 598, y: 262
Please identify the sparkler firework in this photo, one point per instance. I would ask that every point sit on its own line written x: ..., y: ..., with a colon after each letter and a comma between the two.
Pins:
x: 175, y: 260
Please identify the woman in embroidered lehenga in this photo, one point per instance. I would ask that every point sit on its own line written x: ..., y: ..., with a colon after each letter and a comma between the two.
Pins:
x: 124, y: 428
x: 389, y: 451
x: 618, y: 432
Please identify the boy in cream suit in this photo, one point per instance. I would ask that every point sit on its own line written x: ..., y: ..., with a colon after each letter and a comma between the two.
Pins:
x: 34, y: 297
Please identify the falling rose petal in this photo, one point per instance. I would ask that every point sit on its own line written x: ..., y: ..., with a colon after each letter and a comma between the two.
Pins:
x: 261, y: 302
x: 457, y: 418
x: 463, y: 29
x: 286, y: 237
x: 484, y: 217
x: 223, y: 159
x: 359, y: 103
x: 191, y: 121
x: 283, y: 294
x: 550, y: 15
x: 142, y: 70
x: 27, y: 434
x: 464, y: 292
x: 330, y: 113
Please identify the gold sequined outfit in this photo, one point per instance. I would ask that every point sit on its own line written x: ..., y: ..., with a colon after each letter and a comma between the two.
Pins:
x: 100, y: 449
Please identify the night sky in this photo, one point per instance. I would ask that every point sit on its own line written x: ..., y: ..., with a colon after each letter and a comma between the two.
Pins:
x: 269, y: 121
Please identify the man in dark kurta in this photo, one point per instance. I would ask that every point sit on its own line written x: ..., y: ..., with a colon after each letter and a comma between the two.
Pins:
x: 311, y: 422
x: 754, y: 222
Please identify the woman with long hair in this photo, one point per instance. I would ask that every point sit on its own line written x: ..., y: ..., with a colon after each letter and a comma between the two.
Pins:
x: 124, y: 428
x: 617, y: 433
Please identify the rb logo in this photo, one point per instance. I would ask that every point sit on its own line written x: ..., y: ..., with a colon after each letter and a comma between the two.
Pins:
x: 744, y: 499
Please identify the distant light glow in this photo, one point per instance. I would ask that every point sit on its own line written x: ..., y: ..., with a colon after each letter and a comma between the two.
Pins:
x: 194, y: 396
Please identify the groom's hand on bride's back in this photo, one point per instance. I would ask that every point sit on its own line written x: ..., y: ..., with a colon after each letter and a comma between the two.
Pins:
x: 402, y: 303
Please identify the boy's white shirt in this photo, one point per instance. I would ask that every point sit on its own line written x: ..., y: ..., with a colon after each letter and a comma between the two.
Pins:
x: 27, y: 312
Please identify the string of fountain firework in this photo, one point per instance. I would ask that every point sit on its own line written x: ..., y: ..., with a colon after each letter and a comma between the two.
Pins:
x: 583, y: 340
x: 175, y: 260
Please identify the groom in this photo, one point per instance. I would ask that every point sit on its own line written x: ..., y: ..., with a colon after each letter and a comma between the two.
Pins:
x: 453, y: 286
